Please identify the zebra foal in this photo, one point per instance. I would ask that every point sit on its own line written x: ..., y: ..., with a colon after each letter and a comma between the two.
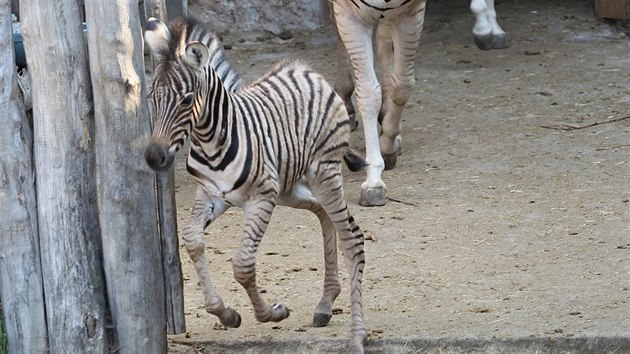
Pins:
x: 278, y: 141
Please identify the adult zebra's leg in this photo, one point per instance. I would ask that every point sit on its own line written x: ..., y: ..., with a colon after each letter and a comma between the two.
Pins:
x: 405, y: 35
x: 326, y: 184
x: 487, y: 32
x: 357, y: 38
x: 257, y: 215
x: 205, y: 210
x: 385, y: 60
x: 344, y: 84
x: 301, y: 197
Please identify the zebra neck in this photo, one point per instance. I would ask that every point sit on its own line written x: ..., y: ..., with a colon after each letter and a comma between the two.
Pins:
x: 214, y: 131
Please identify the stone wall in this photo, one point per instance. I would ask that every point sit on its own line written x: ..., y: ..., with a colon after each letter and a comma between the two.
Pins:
x: 260, y: 16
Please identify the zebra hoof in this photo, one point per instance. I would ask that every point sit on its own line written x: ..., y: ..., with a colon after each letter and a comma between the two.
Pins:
x: 279, y: 312
x: 233, y: 320
x: 372, y: 197
x: 390, y: 160
x: 484, y: 42
x: 321, y: 319
x: 491, y: 41
x: 500, y: 41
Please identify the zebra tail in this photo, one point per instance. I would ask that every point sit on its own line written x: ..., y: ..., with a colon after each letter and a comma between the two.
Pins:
x: 354, y: 161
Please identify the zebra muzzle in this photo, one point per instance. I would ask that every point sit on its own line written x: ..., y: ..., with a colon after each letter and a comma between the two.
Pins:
x: 158, y: 157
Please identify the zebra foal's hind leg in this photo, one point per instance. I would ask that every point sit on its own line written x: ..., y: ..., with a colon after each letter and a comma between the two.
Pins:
x: 326, y: 184
x: 257, y: 215
x: 301, y: 197
x: 205, y: 210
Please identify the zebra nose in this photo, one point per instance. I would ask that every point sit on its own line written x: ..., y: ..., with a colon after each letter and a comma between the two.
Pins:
x: 157, y: 157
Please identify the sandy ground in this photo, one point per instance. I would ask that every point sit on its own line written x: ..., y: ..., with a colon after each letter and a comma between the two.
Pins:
x: 500, y: 224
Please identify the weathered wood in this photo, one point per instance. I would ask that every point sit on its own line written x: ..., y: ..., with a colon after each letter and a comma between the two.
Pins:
x: 165, y: 9
x: 173, y: 277
x: 63, y: 123
x: 127, y: 199
x: 176, y: 8
x: 21, y: 288
x: 167, y: 215
x: 155, y: 8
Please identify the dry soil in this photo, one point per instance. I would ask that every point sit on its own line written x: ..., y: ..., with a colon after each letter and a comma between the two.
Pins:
x: 508, y: 214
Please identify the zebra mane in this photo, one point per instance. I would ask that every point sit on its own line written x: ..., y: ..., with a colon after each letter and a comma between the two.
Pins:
x: 184, y: 30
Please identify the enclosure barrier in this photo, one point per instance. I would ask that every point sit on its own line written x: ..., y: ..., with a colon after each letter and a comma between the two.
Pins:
x: 85, y: 266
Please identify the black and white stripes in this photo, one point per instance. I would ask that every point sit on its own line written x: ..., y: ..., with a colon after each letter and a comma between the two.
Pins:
x: 277, y: 141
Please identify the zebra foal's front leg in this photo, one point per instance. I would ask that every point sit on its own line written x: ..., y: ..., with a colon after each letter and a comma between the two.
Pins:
x: 205, y: 210
x: 257, y: 216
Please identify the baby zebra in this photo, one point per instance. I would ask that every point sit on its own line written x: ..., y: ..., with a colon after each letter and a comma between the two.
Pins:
x: 278, y: 141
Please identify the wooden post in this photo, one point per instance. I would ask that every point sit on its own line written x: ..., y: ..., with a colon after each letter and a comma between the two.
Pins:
x: 63, y: 123
x: 165, y: 9
x: 21, y: 288
x: 176, y: 8
x: 613, y: 9
x: 131, y: 245
x: 167, y: 211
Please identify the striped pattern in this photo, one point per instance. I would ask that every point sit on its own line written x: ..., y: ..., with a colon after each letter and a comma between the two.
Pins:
x: 277, y: 141
x: 379, y: 101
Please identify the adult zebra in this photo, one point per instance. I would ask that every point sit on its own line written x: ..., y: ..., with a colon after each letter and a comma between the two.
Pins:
x: 278, y: 141
x: 397, y: 35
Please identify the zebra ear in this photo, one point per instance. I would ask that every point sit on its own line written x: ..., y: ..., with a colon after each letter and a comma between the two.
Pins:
x: 197, y: 55
x: 157, y: 36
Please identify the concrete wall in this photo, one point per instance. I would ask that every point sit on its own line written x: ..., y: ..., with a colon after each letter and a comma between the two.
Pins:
x: 260, y: 16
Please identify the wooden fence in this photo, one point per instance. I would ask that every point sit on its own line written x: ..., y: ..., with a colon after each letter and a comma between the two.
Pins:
x: 88, y: 239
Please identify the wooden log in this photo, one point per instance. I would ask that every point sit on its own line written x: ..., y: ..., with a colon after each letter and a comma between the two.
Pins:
x: 70, y: 242
x: 127, y: 199
x: 21, y: 288
x: 167, y: 214
x: 176, y: 8
x: 171, y: 264
x: 165, y: 10
x: 155, y: 8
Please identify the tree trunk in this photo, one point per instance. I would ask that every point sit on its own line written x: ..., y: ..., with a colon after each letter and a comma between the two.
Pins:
x: 133, y: 265
x: 21, y: 288
x: 167, y: 212
x: 66, y: 188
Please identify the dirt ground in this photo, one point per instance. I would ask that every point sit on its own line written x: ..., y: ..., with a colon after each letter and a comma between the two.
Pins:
x: 499, y: 224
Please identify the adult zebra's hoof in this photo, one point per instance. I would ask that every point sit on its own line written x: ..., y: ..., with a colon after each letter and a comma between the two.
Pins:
x: 321, y: 319
x: 232, y: 320
x: 491, y: 41
x: 500, y: 41
x: 390, y: 160
x: 372, y: 197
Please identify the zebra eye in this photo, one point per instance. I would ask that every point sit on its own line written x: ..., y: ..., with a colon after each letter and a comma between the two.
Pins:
x: 188, y: 99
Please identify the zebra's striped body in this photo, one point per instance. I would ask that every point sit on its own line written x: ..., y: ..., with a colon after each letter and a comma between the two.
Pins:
x: 398, y: 32
x: 278, y: 141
